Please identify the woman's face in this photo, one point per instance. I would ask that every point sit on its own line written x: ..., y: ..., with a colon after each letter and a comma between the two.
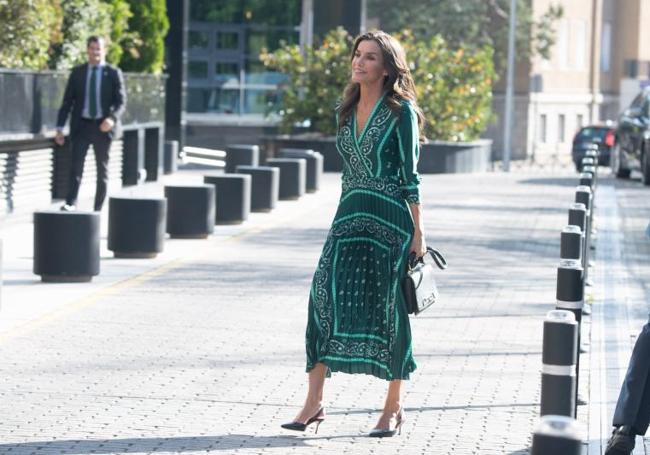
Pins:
x: 368, y: 63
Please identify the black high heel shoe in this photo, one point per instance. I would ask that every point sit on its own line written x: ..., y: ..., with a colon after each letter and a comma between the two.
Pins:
x: 299, y: 426
x: 400, y: 418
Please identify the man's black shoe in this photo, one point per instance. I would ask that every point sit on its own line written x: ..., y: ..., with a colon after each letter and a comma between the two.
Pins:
x: 621, y: 442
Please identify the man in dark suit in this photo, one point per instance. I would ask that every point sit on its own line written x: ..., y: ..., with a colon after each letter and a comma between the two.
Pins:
x: 96, y: 96
x: 632, y: 415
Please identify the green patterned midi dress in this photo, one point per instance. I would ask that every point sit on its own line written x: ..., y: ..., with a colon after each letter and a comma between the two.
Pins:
x: 357, y: 321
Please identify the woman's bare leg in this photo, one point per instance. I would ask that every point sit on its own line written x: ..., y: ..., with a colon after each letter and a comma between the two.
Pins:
x: 392, y: 404
x: 314, y: 400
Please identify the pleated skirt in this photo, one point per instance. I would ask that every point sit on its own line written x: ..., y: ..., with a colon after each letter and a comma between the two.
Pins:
x: 357, y: 321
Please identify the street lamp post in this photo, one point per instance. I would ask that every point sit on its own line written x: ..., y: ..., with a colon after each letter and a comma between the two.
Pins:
x: 507, y: 130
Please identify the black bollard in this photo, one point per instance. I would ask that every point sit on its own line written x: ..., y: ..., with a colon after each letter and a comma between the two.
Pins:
x: 594, y: 174
x: 571, y: 243
x: 557, y: 435
x: 570, y: 297
x: 587, y: 179
x: 578, y: 217
x: 584, y: 196
x: 587, y: 161
x: 559, y: 358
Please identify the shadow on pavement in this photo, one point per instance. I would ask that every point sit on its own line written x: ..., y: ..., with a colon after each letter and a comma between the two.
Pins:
x: 229, y: 443
x: 557, y: 181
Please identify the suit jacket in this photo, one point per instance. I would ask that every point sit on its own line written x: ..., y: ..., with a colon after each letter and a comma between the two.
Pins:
x: 113, y: 98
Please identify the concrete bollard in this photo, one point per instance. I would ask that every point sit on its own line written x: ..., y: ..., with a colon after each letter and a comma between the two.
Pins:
x: 557, y: 435
x: 571, y: 243
x: 559, y: 359
x: 570, y: 297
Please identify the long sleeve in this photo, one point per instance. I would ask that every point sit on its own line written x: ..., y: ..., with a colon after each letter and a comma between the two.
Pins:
x: 409, y: 149
x: 66, y: 105
x: 119, y: 95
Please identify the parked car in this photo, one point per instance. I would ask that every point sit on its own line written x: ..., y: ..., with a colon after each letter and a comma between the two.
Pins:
x: 632, y: 144
x: 601, y: 135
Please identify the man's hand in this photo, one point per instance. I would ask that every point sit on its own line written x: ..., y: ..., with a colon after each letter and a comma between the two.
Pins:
x: 107, y: 125
x: 59, y: 138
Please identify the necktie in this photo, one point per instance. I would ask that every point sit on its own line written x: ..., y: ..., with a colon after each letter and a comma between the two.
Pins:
x: 92, y: 92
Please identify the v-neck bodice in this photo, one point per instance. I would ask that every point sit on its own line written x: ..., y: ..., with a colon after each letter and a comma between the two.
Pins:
x: 358, y: 136
x: 387, y: 148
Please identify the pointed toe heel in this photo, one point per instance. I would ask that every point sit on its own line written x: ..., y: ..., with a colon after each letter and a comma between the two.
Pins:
x: 299, y: 426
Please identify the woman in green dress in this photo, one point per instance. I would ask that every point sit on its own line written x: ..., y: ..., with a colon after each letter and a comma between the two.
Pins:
x: 357, y: 320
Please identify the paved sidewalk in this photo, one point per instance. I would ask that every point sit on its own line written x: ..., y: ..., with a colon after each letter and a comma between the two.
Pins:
x: 201, y: 350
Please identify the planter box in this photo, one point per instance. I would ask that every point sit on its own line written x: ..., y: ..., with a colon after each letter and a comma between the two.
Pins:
x: 332, y: 161
x: 440, y: 157
x: 436, y: 157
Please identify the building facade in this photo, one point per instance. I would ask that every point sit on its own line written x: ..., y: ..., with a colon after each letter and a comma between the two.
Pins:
x: 600, y: 61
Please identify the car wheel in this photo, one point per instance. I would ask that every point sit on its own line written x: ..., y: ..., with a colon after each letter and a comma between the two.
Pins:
x: 617, y: 164
x: 645, y: 166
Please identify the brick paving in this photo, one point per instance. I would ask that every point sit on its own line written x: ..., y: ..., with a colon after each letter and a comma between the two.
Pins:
x: 202, y: 351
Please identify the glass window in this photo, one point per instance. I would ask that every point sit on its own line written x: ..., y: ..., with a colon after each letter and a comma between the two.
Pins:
x: 542, y: 128
x: 268, y: 12
x: 197, y: 69
x: 580, y: 32
x: 270, y: 40
x: 593, y: 134
x: 563, y: 43
x: 579, y: 121
x: 228, y: 40
x: 561, y: 128
x: 606, y: 47
x: 226, y: 73
x: 257, y: 73
x: 198, y: 40
x: 262, y: 101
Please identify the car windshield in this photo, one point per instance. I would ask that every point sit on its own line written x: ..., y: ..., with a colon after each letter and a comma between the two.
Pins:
x: 592, y: 134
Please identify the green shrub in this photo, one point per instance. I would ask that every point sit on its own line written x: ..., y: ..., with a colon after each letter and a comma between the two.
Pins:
x: 81, y: 19
x: 453, y: 86
x: 145, y: 50
x: 316, y: 80
x: 27, y: 27
x: 120, y: 36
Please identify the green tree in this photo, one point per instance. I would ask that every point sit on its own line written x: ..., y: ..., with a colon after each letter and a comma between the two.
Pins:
x: 453, y: 84
x: 315, y: 80
x: 472, y: 23
x: 81, y: 19
x: 120, y: 36
x: 145, y: 51
x: 27, y: 27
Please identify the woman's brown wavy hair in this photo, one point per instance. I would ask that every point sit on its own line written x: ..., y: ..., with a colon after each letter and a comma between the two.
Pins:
x: 398, y: 85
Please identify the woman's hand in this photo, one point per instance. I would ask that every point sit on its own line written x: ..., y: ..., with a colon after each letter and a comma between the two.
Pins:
x: 418, y: 245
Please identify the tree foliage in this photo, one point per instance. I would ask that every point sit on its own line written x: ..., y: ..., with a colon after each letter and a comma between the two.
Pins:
x: 147, y: 51
x: 27, y: 27
x: 315, y: 80
x: 453, y: 85
x: 120, y: 36
x: 81, y: 19
x: 472, y: 24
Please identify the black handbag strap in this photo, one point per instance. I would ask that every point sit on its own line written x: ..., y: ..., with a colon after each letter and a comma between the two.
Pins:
x: 437, y: 256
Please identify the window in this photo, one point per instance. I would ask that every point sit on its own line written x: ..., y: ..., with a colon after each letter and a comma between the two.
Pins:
x: 197, y: 69
x: 198, y: 40
x: 580, y: 33
x: 226, y: 73
x: 561, y: 128
x: 579, y: 121
x: 228, y: 40
x: 605, y: 47
x: 542, y: 128
x: 563, y: 43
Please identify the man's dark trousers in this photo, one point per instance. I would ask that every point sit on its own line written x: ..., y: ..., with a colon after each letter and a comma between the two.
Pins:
x: 633, y: 406
x: 89, y: 134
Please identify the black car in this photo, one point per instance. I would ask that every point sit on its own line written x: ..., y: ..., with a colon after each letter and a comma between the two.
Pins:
x: 601, y: 135
x: 633, y: 139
